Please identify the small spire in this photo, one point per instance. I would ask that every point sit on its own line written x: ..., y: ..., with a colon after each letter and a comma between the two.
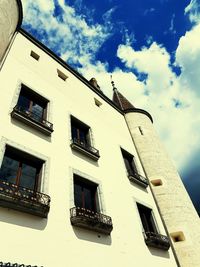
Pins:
x: 112, y: 82
x: 119, y: 99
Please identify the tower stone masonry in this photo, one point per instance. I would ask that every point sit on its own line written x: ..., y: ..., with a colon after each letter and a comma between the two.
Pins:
x: 180, y: 217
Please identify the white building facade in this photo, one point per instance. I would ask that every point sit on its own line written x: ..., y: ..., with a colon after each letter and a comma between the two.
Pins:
x: 73, y: 190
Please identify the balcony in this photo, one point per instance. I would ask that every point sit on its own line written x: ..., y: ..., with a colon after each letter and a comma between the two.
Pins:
x: 85, y: 149
x: 32, y: 119
x: 24, y: 199
x: 138, y: 179
x: 157, y: 240
x: 91, y: 220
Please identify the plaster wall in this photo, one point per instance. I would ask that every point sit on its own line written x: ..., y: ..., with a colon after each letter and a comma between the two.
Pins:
x: 53, y: 241
x: 9, y: 15
x: 175, y: 205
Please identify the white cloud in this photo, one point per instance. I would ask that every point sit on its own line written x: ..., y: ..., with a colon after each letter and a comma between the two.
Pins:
x: 171, y: 28
x: 193, y: 10
x: 149, y: 39
x: 179, y: 125
x: 101, y: 73
x: 153, y: 61
x: 188, y: 58
x: 68, y: 34
x: 127, y: 38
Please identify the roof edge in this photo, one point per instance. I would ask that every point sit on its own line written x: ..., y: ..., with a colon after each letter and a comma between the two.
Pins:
x: 68, y: 67
x: 79, y: 76
x: 139, y: 111
x: 20, y: 9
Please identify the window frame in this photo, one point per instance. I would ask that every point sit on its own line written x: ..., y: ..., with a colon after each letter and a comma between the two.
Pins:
x: 129, y: 162
x: 84, y: 218
x: 152, y: 219
x: 132, y: 170
x: 87, y: 184
x: 33, y: 98
x: 82, y: 144
x: 80, y: 127
x: 22, y: 158
x: 26, y: 115
x: 152, y: 238
x: 22, y: 198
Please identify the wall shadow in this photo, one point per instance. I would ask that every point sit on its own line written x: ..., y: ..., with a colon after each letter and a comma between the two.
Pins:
x: 91, y: 236
x: 141, y: 188
x: 84, y: 157
x: 22, y: 219
x: 159, y: 252
x: 30, y: 129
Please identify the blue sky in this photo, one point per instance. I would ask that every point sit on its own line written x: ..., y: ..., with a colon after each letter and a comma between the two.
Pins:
x: 152, y: 49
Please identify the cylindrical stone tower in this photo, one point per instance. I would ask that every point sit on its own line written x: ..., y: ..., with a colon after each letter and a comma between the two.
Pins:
x: 178, y: 213
x: 177, y: 210
x: 10, y: 19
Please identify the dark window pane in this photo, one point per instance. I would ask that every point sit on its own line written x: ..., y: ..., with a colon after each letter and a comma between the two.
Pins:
x: 89, y: 199
x: 85, y: 195
x: 146, y: 223
x: 19, y: 169
x: 82, y: 137
x: 31, y: 102
x: 9, y: 169
x: 78, y: 196
x: 152, y: 222
x: 80, y: 132
x: 74, y: 133
x: 147, y: 219
x: 129, y: 163
x: 28, y: 176
x: 37, y: 112
x: 23, y: 103
x: 128, y: 166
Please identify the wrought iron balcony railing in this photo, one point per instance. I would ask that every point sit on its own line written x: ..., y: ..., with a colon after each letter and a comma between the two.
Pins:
x: 33, y: 119
x: 138, y: 179
x: 24, y: 199
x: 85, y: 148
x: 8, y: 264
x: 157, y: 240
x: 91, y: 220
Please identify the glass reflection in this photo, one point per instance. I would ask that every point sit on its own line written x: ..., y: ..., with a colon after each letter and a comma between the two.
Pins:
x: 28, y: 175
x: 19, y: 173
x: 9, y: 169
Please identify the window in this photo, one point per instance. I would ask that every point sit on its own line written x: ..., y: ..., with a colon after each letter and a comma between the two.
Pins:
x: 20, y: 179
x: 178, y: 236
x: 81, y: 139
x: 31, y: 103
x: 34, y: 55
x: 21, y: 169
x: 152, y: 237
x: 97, y: 102
x: 31, y: 108
x: 147, y: 219
x: 62, y: 75
x: 80, y: 132
x: 141, y: 131
x: 157, y: 182
x: 85, y: 194
x: 133, y: 174
x: 129, y: 162
x: 86, y: 213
